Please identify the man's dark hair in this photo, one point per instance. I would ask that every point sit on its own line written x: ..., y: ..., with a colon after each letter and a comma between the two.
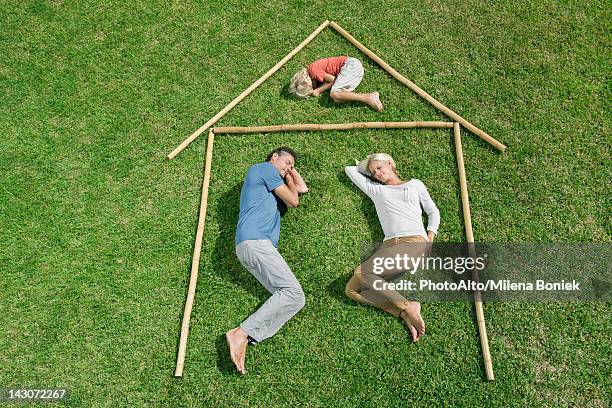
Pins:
x: 282, y: 150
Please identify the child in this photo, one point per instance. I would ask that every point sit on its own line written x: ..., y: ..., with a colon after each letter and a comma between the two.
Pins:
x: 340, y: 74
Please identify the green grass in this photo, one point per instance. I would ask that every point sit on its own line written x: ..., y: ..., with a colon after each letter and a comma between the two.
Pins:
x: 98, y: 228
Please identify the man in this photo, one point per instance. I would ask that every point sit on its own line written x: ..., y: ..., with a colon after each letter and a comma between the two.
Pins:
x: 268, y: 189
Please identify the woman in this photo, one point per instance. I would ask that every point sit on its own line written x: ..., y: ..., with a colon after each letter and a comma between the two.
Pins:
x: 398, y: 206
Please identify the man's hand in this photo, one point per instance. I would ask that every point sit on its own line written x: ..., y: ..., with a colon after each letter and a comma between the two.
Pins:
x: 430, y: 236
x: 298, y: 180
x: 288, y: 192
x: 288, y: 177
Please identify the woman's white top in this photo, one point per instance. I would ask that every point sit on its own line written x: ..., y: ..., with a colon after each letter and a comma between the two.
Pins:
x: 399, y: 207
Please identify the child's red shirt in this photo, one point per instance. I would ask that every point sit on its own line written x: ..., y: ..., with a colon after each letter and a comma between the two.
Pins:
x: 332, y: 66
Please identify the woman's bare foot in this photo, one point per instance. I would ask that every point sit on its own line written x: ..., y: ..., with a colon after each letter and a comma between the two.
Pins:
x: 411, y: 315
x: 237, y: 341
x: 374, y: 101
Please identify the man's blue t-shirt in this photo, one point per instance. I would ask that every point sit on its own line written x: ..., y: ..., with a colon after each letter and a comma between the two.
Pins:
x: 260, y: 208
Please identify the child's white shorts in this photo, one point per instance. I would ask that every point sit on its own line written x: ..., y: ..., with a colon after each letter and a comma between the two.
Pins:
x: 350, y: 76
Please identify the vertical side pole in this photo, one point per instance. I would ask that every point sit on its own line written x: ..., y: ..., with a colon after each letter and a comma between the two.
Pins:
x: 467, y: 218
x: 195, y: 262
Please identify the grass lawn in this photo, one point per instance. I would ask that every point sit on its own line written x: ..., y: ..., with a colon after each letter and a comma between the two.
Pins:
x: 97, y: 228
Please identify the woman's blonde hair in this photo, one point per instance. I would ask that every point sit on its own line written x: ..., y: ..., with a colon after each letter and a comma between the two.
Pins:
x: 364, y: 165
x: 301, y: 84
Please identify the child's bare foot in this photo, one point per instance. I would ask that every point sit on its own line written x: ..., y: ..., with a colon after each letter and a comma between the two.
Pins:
x: 374, y: 101
x: 237, y: 342
x: 411, y: 315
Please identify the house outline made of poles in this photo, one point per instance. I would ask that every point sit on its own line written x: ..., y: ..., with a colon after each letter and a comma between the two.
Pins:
x: 457, y: 122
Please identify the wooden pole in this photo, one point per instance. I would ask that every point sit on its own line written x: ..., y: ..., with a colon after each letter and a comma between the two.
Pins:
x: 465, y: 201
x: 195, y: 262
x: 332, y: 126
x: 418, y: 90
x: 246, y: 92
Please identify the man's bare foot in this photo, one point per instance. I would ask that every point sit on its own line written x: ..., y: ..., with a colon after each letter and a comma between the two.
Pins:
x: 237, y: 342
x: 374, y: 101
x: 411, y: 315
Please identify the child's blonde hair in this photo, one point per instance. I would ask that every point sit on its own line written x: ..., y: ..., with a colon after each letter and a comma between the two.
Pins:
x: 301, y: 84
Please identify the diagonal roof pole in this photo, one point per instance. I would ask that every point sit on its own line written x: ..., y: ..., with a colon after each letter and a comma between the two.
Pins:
x: 246, y: 92
x: 418, y: 90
